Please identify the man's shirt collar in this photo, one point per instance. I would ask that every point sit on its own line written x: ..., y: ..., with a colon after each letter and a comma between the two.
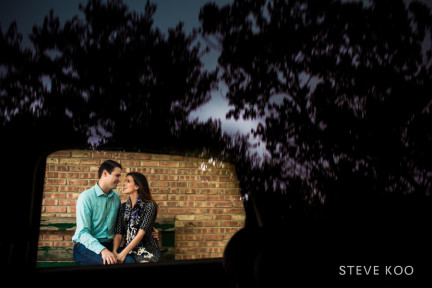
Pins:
x: 99, y: 191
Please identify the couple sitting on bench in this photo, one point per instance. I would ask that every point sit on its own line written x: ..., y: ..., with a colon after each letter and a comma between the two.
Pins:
x: 103, y: 223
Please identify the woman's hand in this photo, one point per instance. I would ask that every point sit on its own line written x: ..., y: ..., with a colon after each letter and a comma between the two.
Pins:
x: 120, y: 257
x: 155, y: 234
x: 115, y: 255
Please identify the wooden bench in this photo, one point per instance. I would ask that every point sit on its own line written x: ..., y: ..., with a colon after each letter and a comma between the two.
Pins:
x: 48, y: 256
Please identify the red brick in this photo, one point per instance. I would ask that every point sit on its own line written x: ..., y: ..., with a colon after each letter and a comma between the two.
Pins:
x: 187, y: 204
x: 187, y: 244
x: 50, y: 188
x: 189, y: 178
x: 169, y: 164
x: 189, y: 165
x: 104, y: 155
x: 208, y: 191
x: 68, y: 189
x: 160, y: 184
x: 52, y: 238
x: 140, y: 156
x: 198, y: 184
x: 197, y: 197
x: 208, y: 178
x: 179, y: 171
x: 51, y: 174
x: 55, y: 181
x: 169, y: 177
x: 153, y: 177
x: 233, y: 211
x: 70, y: 161
x: 213, y: 237
x: 72, y: 196
x: 178, y: 184
x: 149, y: 163
x: 61, y: 154
x: 180, y: 158
x: 160, y: 157
x: 55, y: 209
x: 57, y: 168
x: 160, y: 170
x: 223, y: 204
x: 215, y: 198
x: 76, y: 182
x: 177, y: 197
x: 195, y: 237
x: 49, y: 202
x: 237, y: 204
x: 216, y: 250
x: 121, y: 155
x: 223, y: 217
x: 231, y: 224
x: 54, y: 195
x: 141, y: 170
x: 156, y: 190
x: 227, y: 179
x: 232, y: 185
x: 130, y: 163
x: 204, y: 204
x: 168, y: 203
x: 81, y: 154
x: 80, y: 168
x: 71, y: 209
x: 67, y: 202
x: 91, y: 162
x: 212, y: 224
x: 159, y: 197
x: 93, y: 176
x: 42, y: 243
x: 176, y: 210
x: 68, y: 175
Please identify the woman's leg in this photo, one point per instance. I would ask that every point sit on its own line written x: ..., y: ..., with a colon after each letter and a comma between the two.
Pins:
x: 128, y: 259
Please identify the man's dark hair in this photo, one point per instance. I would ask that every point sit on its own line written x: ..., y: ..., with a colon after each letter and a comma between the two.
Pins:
x: 109, y: 166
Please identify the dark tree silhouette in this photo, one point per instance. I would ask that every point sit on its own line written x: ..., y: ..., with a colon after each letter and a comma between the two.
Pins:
x: 344, y: 93
x: 344, y: 90
x: 111, y: 76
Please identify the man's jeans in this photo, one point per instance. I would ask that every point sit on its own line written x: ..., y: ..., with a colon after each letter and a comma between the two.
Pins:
x: 84, y: 256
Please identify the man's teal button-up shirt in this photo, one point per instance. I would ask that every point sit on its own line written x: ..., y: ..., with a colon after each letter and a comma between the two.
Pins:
x: 96, y: 215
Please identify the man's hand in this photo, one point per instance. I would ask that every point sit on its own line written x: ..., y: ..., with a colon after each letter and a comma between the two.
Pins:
x: 155, y: 234
x: 108, y: 257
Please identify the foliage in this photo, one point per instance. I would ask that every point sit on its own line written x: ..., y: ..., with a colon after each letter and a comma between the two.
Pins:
x: 110, y: 76
x: 344, y: 91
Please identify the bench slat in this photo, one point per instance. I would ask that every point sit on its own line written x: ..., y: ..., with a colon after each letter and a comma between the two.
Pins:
x: 58, y: 223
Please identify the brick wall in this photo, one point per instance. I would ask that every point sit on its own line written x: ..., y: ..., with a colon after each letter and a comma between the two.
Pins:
x: 202, y: 195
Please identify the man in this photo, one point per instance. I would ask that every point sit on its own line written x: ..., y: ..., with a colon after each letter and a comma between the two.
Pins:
x: 96, y: 214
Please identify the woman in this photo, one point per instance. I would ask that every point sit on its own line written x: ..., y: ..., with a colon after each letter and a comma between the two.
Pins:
x: 135, y: 221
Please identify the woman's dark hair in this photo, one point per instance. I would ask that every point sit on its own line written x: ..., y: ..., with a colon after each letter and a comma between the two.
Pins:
x: 109, y: 166
x: 143, y: 188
